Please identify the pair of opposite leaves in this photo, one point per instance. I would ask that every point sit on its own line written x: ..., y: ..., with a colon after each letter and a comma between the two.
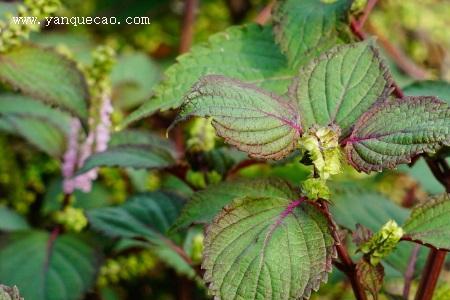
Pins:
x: 348, y: 86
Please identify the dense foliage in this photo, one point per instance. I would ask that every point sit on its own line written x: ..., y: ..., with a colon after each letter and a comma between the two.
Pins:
x: 290, y: 159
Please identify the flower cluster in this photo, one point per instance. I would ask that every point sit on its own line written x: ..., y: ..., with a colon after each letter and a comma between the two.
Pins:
x: 202, y: 135
x: 315, y: 188
x: 21, y: 183
x: 97, y: 76
x: 12, y: 34
x: 197, y: 248
x: 12, y: 184
x: 382, y: 243
x: 126, y: 267
x: 201, y: 180
x: 113, y: 180
x: 322, y: 146
x: 73, y: 219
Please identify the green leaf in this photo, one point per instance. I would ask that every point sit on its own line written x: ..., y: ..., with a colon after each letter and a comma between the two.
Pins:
x: 248, y: 53
x: 133, y: 79
x: 371, y: 277
x: 362, y: 205
x: 173, y: 183
x: 78, y: 44
x: 257, y: 122
x: 99, y: 196
x: 46, y: 76
x: 141, y: 137
x: 440, y: 89
x: 11, y: 221
x: 23, y: 106
x: 422, y: 174
x: 340, y: 85
x: 47, y: 267
x: 38, y: 132
x: 267, y: 248
x: 304, y: 29
x: 429, y: 222
x: 145, y: 216
x: 353, y: 206
x: 205, y: 204
x: 129, y: 156
x: 394, y: 132
x: 6, y: 126
x: 223, y: 159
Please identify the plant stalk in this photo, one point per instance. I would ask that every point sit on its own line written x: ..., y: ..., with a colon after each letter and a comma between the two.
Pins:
x: 436, y: 258
x: 187, y: 29
x: 346, y: 264
x: 430, y: 274
x: 264, y: 16
x: 348, y: 267
x: 409, y: 274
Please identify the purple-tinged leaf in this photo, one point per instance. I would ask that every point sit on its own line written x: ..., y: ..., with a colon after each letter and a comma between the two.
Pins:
x: 340, y: 85
x: 361, y: 235
x: 258, y: 122
x: 48, y: 266
x: 437, y: 88
x: 207, y: 203
x: 129, y: 156
x: 429, y: 223
x: 370, y: 277
x: 306, y: 28
x: 247, y: 53
x: 267, y: 248
x: 394, y: 132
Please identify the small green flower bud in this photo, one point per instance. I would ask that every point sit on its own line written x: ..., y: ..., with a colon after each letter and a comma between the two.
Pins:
x: 202, y: 135
x: 153, y: 181
x: 12, y: 34
x: 383, y: 242
x: 197, y: 248
x: 125, y: 268
x: 213, y: 177
x: 97, y: 74
x: 196, y: 179
x: 358, y: 6
x: 73, y: 219
x: 315, y: 188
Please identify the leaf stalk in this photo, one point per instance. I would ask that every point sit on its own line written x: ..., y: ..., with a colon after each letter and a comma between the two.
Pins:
x: 346, y: 264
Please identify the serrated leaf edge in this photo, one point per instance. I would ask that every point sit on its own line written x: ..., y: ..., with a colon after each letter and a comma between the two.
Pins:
x: 367, y: 115
x: 313, y: 283
x: 141, y: 113
x: 294, y: 86
x: 279, y: 99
